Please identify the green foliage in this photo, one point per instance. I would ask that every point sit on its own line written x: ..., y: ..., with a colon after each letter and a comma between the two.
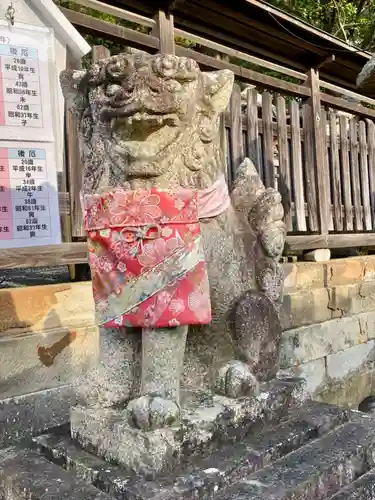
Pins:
x: 351, y: 20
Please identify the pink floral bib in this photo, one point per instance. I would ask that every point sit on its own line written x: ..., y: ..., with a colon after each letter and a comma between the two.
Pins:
x: 147, y: 264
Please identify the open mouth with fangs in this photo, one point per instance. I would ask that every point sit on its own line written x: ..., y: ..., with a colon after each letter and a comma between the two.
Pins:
x: 143, y: 135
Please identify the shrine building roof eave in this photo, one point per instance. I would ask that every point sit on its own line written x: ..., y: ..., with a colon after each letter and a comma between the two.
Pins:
x: 64, y: 30
x: 255, y: 27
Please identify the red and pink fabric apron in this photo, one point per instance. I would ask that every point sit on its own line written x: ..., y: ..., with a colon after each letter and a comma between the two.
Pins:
x: 146, y: 258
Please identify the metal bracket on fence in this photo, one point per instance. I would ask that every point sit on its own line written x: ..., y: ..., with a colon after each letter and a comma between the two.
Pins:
x: 10, y: 13
x: 326, y: 60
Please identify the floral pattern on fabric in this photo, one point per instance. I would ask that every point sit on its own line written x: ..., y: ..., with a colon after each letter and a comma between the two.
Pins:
x: 146, y: 260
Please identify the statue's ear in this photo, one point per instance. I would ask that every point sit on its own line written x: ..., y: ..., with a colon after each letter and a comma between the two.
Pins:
x: 218, y: 86
x: 73, y: 90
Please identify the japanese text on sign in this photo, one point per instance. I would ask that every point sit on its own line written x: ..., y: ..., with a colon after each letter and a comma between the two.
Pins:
x: 25, y: 108
x: 28, y: 200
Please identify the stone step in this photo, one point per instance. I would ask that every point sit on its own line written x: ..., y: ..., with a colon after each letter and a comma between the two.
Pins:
x: 316, y: 305
x: 25, y: 416
x: 24, y: 474
x: 361, y: 489
x: 198, y: 477
x: 316, y: 471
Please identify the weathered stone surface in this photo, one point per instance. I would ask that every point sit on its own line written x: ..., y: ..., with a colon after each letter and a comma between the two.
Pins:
x: 336, y: 272
x: 26, y: 365
x: 48, y: 307
x: 313, y: 372
x: 304, y: 275
x: 341, y: 364
x: 366, y: 78
x: 361, y: 489
x: 312, y: 342
x: 200, y: 477
x: 262, y: 353
x: 25, y: 475
x: 28, y: 415
x: 153, y: 121
x: 203, y: 425
x: 305, y: 307
x: 345, y: 271
x: 314, y: 472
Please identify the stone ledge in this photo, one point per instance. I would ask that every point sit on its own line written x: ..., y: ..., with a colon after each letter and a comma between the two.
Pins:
x: 26, y: 416
x: 305, y: 307
x: 24, y: 474
x: 47, y: 307
x: 25, y: 368
x: 308, y: 343
x: 316, y: 471
x: 307, y: 275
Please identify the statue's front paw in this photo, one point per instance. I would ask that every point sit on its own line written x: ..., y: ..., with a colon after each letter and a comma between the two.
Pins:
x: 268, y: 208
x: 235, y: 379
x: 148, y: 412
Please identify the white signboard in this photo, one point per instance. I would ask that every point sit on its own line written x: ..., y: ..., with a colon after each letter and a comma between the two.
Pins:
x: 29, y: 207
x: 25, y: 102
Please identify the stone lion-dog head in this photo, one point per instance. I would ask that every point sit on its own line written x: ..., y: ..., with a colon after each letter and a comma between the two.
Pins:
x: 148, y: 120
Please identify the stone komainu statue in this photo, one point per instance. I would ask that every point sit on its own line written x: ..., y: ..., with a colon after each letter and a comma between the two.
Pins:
x: 170, y: 248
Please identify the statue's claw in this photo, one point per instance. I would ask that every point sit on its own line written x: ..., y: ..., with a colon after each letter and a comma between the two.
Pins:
x: 235, y: 379
x: 148, y: 412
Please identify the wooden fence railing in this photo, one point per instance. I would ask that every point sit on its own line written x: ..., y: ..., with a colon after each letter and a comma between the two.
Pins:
x: 321, y: 159
x: 325, y: 173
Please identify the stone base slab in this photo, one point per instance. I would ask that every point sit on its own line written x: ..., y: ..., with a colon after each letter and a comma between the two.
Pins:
x: 203, y: 427
x: 108, y: 433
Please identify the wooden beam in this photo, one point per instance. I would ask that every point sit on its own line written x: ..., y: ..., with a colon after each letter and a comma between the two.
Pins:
x: 119, y: 33
x: 44, y: 256
x: 340, y: 90
x: 344, y: 240
x: 245, y: 45
x: 344, y: 105
x: 245, y: 74
x: 240, y: 55
x: 117, y: 12
x: 239, y: 20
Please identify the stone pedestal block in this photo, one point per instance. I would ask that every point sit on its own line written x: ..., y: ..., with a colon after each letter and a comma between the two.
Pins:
x: 206, y: 422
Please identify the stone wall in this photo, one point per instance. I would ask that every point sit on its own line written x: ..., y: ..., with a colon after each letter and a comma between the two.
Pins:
x: 328, y: 319
x: 329, y: 322
x: 47, y: 337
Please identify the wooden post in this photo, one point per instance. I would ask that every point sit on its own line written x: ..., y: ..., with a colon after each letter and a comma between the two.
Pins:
x: 318, y: 150
x: 99, y: 52
x: 74, y: 167
x: 164, y: 30
x: 237, y: 155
